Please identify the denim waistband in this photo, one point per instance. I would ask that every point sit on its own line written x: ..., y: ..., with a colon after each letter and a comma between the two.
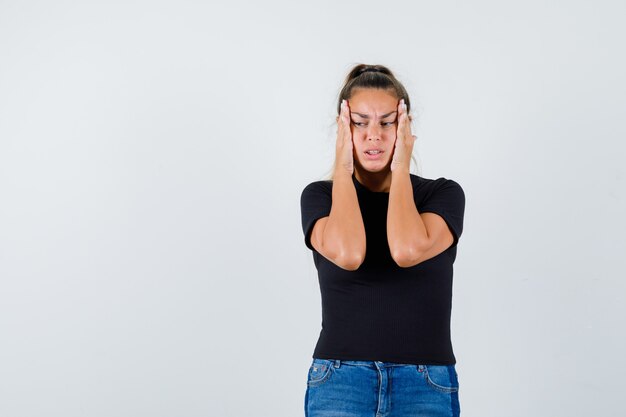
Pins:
x: 369, y: 364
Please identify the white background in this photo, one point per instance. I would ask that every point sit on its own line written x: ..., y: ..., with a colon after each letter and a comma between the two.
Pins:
x: 152, y: 156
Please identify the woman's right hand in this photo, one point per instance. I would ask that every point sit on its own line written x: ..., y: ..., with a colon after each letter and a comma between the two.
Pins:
x: 344, y: 160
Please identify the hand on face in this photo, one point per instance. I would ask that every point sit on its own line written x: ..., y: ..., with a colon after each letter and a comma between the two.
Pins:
x: 344, y: 159
x: 403, y: 147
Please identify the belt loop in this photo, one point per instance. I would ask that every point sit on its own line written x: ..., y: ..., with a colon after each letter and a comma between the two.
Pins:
x: 337, y: 363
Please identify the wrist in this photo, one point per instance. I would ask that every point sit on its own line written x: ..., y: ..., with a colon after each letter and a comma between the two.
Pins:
x: 400, y: 170
x: 342, y: 173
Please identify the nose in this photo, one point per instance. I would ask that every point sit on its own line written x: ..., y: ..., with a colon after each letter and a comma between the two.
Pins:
x: 374, y: 132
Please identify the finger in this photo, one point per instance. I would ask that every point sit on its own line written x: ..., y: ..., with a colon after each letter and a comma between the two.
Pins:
x: 401, y: 127
x: 402, y: 116
x: 342, y: 117
x: 348, y: 120
x: 406, y: 121
x: 341, y: 112
x: 404, y: 113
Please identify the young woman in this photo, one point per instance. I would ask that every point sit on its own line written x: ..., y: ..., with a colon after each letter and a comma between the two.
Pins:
x: 384, y: 241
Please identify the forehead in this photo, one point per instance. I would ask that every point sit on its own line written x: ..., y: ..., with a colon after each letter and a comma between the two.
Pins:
x: 373, y: 103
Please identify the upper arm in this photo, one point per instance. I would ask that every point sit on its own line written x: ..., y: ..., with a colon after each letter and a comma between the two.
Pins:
x: 316, y: 203
x: 317, y: 241
x: 317, y: 234
x: 442, y: 214
x: 440, y: 236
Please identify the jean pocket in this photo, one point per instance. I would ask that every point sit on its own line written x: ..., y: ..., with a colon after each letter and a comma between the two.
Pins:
x: 319, y: 372
x: 442, y: 378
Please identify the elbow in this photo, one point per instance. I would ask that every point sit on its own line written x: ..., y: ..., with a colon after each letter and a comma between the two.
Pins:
x: 407, y: 256
x: 405, y: 262
x: 350, y: 261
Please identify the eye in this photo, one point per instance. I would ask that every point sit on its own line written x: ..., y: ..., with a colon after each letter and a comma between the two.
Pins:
x: 389, y: 123
x: 357, y: 123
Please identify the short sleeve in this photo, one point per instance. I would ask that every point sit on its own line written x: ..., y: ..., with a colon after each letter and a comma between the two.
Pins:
x: 315, y: 202
x: 447, y: 200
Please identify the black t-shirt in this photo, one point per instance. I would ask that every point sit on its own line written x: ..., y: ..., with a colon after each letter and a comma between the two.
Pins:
x: 381, y: 311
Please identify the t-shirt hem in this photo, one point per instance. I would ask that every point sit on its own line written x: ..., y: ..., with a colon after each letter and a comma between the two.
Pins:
x: 393, y: 359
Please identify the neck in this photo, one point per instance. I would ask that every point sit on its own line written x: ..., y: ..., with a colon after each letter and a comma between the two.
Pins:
x: 379, y: 182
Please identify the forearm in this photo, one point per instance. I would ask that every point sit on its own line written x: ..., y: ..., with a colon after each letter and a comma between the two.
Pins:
x: 406, y: 232
x: 344, y: 234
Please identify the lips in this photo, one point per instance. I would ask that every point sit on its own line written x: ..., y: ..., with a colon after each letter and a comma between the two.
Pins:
x: 375, y: 155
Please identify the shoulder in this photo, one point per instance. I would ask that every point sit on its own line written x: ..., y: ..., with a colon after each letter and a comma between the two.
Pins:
x: 434, y: 183
x: 316, y: 190
x: 322, y: 185
x: 429, y: 190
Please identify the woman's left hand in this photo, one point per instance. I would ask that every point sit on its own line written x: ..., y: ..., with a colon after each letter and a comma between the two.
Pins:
x: 403, y: 148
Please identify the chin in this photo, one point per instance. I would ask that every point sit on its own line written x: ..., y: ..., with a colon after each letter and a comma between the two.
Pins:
x: 375, y: 167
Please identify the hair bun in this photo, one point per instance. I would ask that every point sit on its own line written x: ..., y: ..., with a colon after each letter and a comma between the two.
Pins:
x: 385, y: 80
x: 370, y: 69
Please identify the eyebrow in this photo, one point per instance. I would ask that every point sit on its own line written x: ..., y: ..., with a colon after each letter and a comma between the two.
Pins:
x: 366, y: 116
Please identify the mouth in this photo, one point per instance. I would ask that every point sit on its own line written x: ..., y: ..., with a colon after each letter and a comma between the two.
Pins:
x: 374, y: 154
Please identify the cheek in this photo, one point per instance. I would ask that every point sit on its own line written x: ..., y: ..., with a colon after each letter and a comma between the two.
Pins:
x: 389, y: 138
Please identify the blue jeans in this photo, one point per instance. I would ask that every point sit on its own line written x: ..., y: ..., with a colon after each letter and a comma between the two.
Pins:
x: 380, y: 389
